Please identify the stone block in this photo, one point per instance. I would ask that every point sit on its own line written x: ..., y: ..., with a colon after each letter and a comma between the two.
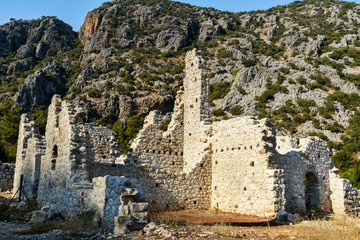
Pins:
x: 138, y: 207
x: 140, y: 215
x: 122, y: 223
x: 293, y: 217
x: 38, y: 217
x: 124, y: 210
x: 282, y: 216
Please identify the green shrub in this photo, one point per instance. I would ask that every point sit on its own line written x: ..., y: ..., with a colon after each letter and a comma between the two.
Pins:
x: 248, y: 62
x: 9, y: 129
x: 165, y: 124
x: 349, y: 101
x: 335, y: 127
x: 301, y: 80
x: 222, y: 53
x: 318, y: 134
x: 94, y: 93
x: 291, y: 81
x: 128, y: 132
x: 306, y: 103
x: 316, y: 123
x: 39, y: 114
x: 219, y: 90
x: 241, y: 90
x: 236, y: 110
x: 108, y: 85
x: 218, y: 112
x: 284, y: 70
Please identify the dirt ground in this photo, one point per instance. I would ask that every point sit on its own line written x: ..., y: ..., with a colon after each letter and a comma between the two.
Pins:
x: 229, y: 225
x: 205, y: 224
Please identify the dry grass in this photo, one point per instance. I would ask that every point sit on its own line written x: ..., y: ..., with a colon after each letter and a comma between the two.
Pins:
x: 9, y: 213
x: 338, y: 227
x: 81, y: 224
x: 37, y: 229
x: 166, y: 219
x: 226, y: 230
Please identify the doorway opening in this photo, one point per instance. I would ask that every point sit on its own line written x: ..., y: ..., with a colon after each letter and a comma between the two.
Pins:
x: 312, y: 192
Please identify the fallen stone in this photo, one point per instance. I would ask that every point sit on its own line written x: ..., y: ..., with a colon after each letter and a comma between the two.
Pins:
x: 282, y: 216
x: 38, y: 217
x: 293, y: 217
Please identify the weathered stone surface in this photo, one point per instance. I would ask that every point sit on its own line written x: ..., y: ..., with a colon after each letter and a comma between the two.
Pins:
x: 6, y: 176
x: 282, y: 216
x: 25, y: 51
x: 39, y: 87
x: 38, y: 217
x: 294, y: 217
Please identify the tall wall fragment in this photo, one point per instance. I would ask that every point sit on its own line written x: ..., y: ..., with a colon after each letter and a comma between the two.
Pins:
x: 30, y: 151
x: 196, y: 111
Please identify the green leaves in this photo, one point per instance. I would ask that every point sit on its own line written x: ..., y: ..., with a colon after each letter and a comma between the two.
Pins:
x: 128, y: 132
x: 9, y: 129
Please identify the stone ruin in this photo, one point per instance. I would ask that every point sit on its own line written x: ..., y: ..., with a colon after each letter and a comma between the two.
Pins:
x: 6, y: 176
x: 240, y: 165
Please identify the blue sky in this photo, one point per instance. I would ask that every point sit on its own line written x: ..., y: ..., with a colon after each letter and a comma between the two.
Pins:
x: 73, y: 12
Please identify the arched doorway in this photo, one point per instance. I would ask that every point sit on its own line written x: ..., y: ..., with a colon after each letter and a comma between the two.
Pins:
x: 312, y: 192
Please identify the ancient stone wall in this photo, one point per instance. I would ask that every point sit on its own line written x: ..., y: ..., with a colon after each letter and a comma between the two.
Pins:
x: 102, y: 144
x: 344, y: 197
x: 6, y: 176
x: 238, y: 165
x: 67, y: 180
x: 242, y: 181
x: 106, y: 197
x: 164, y: 190
x: 154, y: 147
x: 196, y: 111
x: 64, y: 180
x: 162, y: 174
x: 30, y: 150
x: 306, y: 174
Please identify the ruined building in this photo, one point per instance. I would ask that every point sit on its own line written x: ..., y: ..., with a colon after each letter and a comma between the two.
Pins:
x: 239, y: 165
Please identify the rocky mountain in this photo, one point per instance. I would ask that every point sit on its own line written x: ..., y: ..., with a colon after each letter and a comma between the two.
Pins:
x: 296, y: 64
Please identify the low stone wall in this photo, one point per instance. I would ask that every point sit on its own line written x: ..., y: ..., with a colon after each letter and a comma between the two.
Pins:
x: 306, y: 174
x: 116, y: 196
x: 344, y: 197
x: 165, y: 191
x: 6, y: 176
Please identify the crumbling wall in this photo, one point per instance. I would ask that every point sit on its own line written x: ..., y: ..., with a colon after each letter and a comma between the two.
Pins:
x: 153, y: 147
x: 102, y: 144
x: 241, y: 179
x: 64, y: 180
x: 30, y: 150
x: 7, y: 171
x: 344, y: 197
x: 168, y: 182
x: 107, y: 195
x: 165, y: 190
x: 196, y: 111
x: 308, y: 163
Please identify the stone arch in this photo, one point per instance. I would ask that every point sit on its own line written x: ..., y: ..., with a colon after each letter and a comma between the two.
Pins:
x: 312, y: 192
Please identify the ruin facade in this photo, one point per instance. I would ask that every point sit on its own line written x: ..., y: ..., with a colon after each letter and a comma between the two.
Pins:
x: 239, y: 165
